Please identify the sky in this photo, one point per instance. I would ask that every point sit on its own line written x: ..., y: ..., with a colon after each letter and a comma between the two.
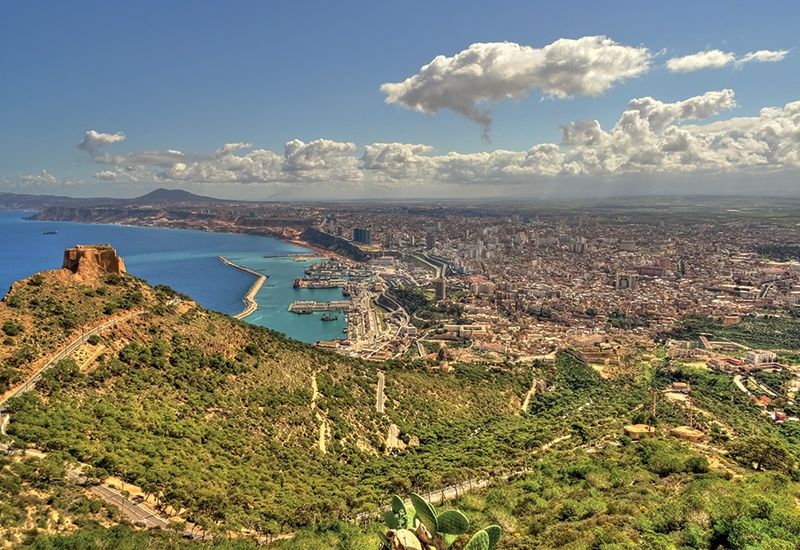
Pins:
x: 291, y: 100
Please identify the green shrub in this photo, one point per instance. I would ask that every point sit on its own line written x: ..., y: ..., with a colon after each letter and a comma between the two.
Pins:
x: 12, y: 328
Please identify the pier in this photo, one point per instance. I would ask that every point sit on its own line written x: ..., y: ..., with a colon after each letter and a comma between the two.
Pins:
x: 300, y: 282
x: 250, y: 303
x: 309, y: 306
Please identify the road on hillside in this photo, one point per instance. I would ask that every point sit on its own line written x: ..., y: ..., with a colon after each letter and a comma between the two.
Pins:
x: 65, y: 352
x: 136, y: 513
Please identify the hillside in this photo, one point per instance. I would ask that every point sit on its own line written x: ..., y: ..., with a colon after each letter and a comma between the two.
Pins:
x: 235, y: 424
x: 240, y: 431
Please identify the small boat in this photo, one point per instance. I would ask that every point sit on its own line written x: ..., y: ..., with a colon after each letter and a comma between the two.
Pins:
x: 329, y: 317
x: 49, y: 232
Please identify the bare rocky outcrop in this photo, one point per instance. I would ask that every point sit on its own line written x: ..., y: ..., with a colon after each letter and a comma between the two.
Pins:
x: 93, y: 260
x: 394, y: 442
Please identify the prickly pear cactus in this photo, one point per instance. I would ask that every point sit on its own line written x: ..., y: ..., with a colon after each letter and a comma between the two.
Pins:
x: 404, y: 539
x: 452, y: 522
x: 494, y: 533
x: 425, y: 513
x: 420, y: 527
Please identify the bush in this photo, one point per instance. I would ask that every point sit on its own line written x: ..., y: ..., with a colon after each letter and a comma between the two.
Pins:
x: 12, y: 328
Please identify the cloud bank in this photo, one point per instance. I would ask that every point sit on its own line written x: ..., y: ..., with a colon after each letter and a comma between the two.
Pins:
x: 650, y: 136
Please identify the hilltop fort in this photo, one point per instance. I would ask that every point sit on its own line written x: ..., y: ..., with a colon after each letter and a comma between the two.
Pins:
x: 93, y: 259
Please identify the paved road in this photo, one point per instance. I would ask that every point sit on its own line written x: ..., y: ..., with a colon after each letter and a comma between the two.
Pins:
x: 739, y: 384
x: 136, y: 513
x: 65, y: 352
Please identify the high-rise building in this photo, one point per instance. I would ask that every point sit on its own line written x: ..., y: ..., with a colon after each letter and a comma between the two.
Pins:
x: 627, y: 282
x: 579, y: 246
x: 430, y: 240
x: 440, y: 288
x: 362, y: 235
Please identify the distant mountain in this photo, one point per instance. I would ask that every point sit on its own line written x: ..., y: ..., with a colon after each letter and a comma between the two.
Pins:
x: 174, y: 196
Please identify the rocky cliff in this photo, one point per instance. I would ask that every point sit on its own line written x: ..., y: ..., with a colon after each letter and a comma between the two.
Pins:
x: 342, y: 246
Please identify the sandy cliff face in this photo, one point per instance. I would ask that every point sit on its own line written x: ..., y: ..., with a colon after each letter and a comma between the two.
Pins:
x: 93, y: 260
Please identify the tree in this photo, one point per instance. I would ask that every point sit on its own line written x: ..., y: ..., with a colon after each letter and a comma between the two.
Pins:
x: 762, y: 453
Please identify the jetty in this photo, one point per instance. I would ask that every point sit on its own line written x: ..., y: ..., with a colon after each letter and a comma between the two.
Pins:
x: 311, y: 306
x: 250, y: 303
x: 300, y: 282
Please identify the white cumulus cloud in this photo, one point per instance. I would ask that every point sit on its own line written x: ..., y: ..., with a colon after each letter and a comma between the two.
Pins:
x: 321, y: 159
x: 495, y: 71
x: 93, y: 140
x: 716, y: 59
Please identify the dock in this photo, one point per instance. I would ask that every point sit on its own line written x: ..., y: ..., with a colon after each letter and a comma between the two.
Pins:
x: 308, y: 306
x: 300, y: 282
x: 250, y: 303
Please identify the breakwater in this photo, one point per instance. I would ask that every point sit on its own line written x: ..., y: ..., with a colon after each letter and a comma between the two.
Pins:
x: 250, y: 303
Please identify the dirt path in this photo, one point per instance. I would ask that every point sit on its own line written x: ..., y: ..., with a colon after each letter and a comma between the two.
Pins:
x: 323, y: 425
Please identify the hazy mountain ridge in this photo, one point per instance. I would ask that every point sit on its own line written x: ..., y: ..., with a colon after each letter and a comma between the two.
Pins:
x: 157, y: 197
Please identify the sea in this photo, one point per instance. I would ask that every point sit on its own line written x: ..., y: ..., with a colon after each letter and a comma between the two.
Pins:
x: 185, y: 260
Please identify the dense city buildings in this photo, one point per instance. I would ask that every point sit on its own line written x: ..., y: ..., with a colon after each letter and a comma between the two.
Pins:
x: 603, y: 279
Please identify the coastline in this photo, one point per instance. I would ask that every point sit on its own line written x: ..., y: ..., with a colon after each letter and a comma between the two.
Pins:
x: 222, y: 290
x: 183, y: 226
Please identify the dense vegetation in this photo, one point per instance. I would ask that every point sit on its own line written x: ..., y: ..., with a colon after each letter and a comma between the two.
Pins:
x: 757, y: 331
x: 220, y: 418
x: 780, y: 252
x: 44, y: 311
x: 622, y: 497
x: 424, y: 310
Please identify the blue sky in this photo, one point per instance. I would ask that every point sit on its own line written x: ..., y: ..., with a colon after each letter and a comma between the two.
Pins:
x: 192, y: 76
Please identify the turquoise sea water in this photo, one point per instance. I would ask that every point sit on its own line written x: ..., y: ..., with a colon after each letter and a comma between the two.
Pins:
x: 185, y: 260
